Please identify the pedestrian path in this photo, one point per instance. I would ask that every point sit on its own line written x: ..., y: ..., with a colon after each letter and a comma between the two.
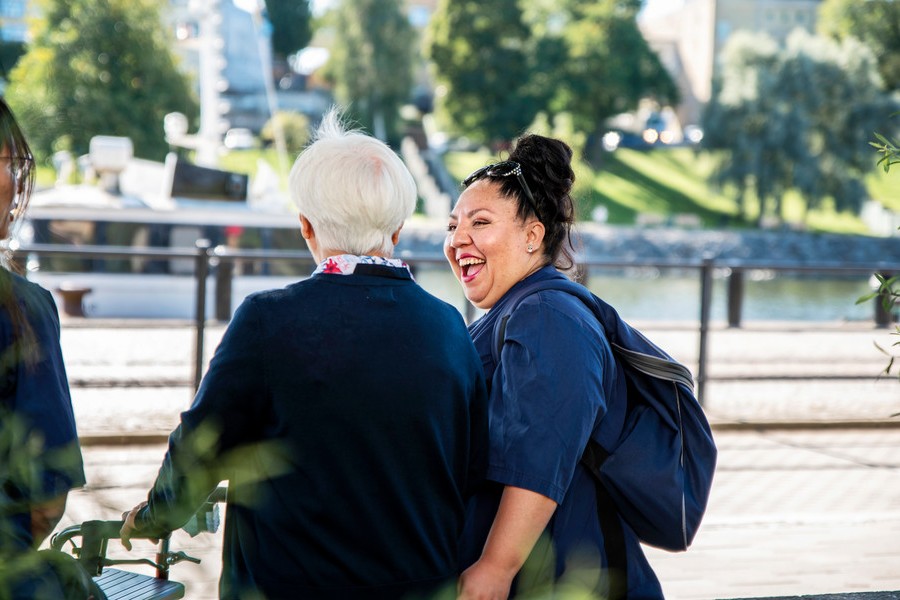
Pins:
x: 769, y: 373
x: 791, y: 513
x: 795, y: 513
x: 806, y: 498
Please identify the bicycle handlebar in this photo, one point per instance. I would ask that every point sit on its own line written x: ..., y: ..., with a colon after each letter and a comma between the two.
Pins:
x: 96, y: 534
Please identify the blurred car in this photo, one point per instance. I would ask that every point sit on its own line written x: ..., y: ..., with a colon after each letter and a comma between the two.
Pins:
x: 239, y: 138
x: 612, y: 140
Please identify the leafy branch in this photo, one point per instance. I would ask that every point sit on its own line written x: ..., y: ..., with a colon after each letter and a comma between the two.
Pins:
x: 888, y: 148
x: 889, y: 293
x: 888, y: 287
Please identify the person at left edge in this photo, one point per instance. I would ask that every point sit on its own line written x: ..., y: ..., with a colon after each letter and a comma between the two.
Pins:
x: 348, y: 412
x: 40, y: 457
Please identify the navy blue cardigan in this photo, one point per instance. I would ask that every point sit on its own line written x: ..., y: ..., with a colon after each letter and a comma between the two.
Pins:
x: 348, y: 414
x: 34, y: 405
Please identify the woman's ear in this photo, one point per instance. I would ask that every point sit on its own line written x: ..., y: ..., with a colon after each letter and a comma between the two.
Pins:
x: 534, y: 233
x: 309, y: 234
x: 306, y: 228
x: 395, y: 237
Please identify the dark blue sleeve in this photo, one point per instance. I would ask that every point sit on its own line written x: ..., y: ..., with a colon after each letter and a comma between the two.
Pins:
x: 547, y: 393
x: 226, y: 416
x: 42, y: 404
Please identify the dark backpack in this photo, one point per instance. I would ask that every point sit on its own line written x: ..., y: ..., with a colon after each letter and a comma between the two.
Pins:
x: 656, y: 472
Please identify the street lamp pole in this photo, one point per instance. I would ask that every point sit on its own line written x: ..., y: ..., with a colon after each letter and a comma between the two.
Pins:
x: 211, y: 82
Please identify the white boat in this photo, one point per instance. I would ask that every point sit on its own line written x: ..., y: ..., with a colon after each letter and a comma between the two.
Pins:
x: 148, y: 206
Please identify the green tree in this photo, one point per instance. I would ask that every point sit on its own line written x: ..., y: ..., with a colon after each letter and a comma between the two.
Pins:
x: 609, y: 67
x: 99, y: 67
x: 371, y: 63
x: 291, y: 30
x: 294, y: 127
x: 502, y: 67
x: 796, y: 118
x: 484, y: 68
x: 875, y: 22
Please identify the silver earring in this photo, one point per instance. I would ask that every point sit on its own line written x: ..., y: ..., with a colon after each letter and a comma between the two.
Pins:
x: 530, y: 248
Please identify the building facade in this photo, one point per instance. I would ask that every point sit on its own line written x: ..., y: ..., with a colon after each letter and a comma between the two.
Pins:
x: 690, y: 39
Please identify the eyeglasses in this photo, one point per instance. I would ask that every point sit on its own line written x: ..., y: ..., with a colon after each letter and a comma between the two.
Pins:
x: 504, y: 168
x: 19, y: 169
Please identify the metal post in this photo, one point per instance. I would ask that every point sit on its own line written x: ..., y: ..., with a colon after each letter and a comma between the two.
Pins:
x: 735, y: 296
x: 705, y: 302
x: 201, y: 270
x: 884, y: 309
x: 224, y: 277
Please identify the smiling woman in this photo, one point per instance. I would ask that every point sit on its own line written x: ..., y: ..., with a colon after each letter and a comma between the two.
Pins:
x: 489, y: 249
x: 511, y: 229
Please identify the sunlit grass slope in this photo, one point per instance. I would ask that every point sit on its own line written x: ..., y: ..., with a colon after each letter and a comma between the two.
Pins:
x: 675, y: 181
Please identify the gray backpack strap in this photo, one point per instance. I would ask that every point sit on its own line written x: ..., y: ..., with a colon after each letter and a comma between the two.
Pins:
x: 655, y: 366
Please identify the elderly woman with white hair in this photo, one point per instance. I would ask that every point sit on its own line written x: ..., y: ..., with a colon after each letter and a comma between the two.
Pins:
x: 347, y: 411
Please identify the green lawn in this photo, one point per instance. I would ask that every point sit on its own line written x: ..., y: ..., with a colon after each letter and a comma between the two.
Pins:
x: 238, y: 161
x: 247, y: 161
x: 674, y: 181
x: 666, y: 182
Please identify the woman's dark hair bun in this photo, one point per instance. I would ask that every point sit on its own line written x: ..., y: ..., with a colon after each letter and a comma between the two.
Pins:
x: 547, y: 161
x: 547, y: 168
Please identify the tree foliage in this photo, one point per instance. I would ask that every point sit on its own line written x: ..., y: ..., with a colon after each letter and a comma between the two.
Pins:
x: 874, y: 22
x: 502, y: 67
x: 797, y: 117
x: 291, y: 30
x: 294, y: 127
x: 609, y: 66
x: 483, y: 66
x: 371, y: 62
x: 99, y: 67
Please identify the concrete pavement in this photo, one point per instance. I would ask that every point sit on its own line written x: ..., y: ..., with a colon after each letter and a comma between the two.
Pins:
x: 792, y: 512
x: 807, y: 493
x: 773, y: 373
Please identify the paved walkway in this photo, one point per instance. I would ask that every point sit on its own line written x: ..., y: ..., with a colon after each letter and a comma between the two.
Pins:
x: 799, y: 506
x: 766, y: 373
x: 792, y: 513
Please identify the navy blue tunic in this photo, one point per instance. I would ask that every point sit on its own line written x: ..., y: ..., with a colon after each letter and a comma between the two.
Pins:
x: 40, y: 458
x: 555, y: 385
x: 37, y: 418
x: 349, y: 414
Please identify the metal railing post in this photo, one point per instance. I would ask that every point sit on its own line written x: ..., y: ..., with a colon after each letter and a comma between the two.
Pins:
x: 224, y: 283
x: 884, y: 307
x: 735, y: 296
x: 705, y: 302
x: 201, y: 270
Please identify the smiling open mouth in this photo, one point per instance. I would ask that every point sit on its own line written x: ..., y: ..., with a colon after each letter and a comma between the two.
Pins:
x: 470, y: 267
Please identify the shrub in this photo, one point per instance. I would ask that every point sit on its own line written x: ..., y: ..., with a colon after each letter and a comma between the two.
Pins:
x: 295, y: 127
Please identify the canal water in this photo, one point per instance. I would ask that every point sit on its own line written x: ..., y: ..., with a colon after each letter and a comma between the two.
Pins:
x: 638, y: 294
x: 649, y: 294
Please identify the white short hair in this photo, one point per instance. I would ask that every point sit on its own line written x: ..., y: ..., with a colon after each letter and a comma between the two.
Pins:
x: 353, y: 188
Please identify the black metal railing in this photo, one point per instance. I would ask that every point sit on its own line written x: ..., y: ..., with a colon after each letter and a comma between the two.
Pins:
x: 206, y: 257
